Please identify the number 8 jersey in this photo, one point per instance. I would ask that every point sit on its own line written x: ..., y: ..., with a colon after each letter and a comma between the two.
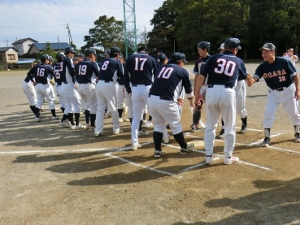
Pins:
x: 224, y: 69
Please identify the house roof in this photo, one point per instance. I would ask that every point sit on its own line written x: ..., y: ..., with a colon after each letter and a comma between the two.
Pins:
x: 25, y: 61
x: 54, y: 46
x: 5, y: 49
x: 20, y: 41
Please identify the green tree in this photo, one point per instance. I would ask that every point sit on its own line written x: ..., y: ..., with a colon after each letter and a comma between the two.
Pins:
x: 48, y: 50
x: 108, y: 32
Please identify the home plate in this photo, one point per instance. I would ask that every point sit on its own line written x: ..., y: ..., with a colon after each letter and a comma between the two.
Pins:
x: 199, y: 143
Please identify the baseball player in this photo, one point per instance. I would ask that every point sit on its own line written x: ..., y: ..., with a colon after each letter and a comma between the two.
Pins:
x: 163, y: 102
x: 42, y: 75
x: 203, y: 50
x: 111, y: 70
x: 121, y: 92
x: 29, y: 90
x: 282, y: 80
x: 86, y: 72
x: 58, y: 68
x: 223, y: 70
x: 140, y: 69
x: 69, y: 90
x: 290, y: 56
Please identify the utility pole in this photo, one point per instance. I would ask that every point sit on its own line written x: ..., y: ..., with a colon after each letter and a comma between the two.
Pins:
x: 129, y: 25
x: 58, y: 43
x: 69, y: 34
x: 6, y: 42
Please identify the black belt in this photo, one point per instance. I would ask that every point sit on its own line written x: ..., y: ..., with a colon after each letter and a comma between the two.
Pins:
x: 134, y: 85
x: 86, y: 83
x: 212, y: 85
x: 281, y: 88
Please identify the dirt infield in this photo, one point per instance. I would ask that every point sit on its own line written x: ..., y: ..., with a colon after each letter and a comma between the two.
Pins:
x: 53, y: 175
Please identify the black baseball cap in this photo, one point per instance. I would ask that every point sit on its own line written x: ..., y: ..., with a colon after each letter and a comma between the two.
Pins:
x: 178, y: 56
x: 268, y: 46
x: 161, y: 58
x: 115, y: 49
x: 80, y: 55
x: 142, y: 49
x: 233, y: 43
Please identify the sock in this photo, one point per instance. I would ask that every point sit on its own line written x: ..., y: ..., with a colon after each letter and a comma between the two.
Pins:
x: 62, y: 109
x: 65, y: 116
x: 37, y: 112
x: 244, y: 120
x: 93, y: 118
x: 180, y: 139
x: 53, y: 112
x: 267, y: 132
x: 196, y: 115
x: 70, y: 118
x: 157, y: 138
x: 150, y: 118
x: 77, y: 115
x: 130, y: 120
x: 141, y: 123
x: 222, y: 123
x: 120, y: 111
x: 144, y: 116
x: 297, y: 129
x: 32, y: 107
x: 87, y: 116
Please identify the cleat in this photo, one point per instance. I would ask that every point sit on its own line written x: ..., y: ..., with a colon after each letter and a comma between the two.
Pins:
x: 194, y: 128
x: 208, y: 159
x: 189, y: 148
x: 97, y: 134
x: 55, y: 118
x: 37, y: 119
x: 135, y: 146
x: 158, y: 153
x: 266, y: 142
x: 230, y: 160
x: 149, y: 124
x: 143, y: 133
x: 117, y: 131
x: 297, y: 137
x: 244, y: 128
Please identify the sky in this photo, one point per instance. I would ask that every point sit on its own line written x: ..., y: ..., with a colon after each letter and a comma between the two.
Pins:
x: 46, y: 21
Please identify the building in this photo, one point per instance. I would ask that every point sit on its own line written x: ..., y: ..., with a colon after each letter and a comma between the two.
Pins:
x: 8, y: 55
x: 23, y: 45
x: 40, y: 47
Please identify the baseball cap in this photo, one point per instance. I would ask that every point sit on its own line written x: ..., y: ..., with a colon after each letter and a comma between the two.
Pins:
x: 115, y: 49
x: 221, y: 46
x: 178, y: 56
x: 161, y: 58
x: 142, y: 48
x: 80, y: 55
x: 268, y: 46
x: 232, y: 43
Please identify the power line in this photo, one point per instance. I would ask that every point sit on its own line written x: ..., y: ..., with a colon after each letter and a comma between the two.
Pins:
x: 34, y: 26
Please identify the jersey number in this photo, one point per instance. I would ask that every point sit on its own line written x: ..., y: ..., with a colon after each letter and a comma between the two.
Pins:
x: 165, y: 73
x: 82, y: 70
x: 105, y: 65
x: 139, y: 63
x: 40, y: 72
x: 281, y: 78
x: 225, y: 67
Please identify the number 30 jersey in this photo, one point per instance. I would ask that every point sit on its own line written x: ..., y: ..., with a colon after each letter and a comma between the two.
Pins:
x: 170, y: 81
x: 224, y: 69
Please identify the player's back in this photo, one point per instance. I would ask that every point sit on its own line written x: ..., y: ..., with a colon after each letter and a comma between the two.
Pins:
x: 110, y: 70
x: 42, y: 73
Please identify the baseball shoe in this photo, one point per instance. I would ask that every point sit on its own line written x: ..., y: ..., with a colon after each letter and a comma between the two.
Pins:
x: 194, y: 128
x: 135, y: 146
x: 166, y: 140
x: 55, y: 118
x: 77, y: 127
x: 107, y: 115
x: 266, y: 142
x: 67, y: 124
x: 201, y: 124
x: 208, y: 159
x: 158, y: 153
x: 189, y: 148
x: 97, y: 134
x: 92, y: 128
x: 37, y: 119
x: 243, y: 128
x: 120, y: 120
x: 149, y: 124
x: 63, y: 123
x: 117, y: 131
x: 221, y: 135
x: 143, y: 133
x: 297, y: 137
x: 230, y: 160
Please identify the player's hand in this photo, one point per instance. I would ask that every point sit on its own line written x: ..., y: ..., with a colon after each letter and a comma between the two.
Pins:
x: 198, y: 97
x: 250, y: 82
x: 180, y: 101
x: 297, y: 94
x: 34, y: 83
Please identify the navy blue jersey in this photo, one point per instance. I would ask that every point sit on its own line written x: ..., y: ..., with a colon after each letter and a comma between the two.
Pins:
x: 58, y: 69
x: 111, y: 69
x: 120, y: 80
x: 30, y: 74
x: 140, y: 68
x: 170, y: 81
x: 43, y: 73
x: 68, y: 73
x: 86, y: 71
x: 199, y: 63
x: 278, y: 74
x: 224, y: 69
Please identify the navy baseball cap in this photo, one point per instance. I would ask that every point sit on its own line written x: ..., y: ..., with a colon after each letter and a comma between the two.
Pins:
x: 268, y: 46
x: 80, y: 55
x: 233, y: 43
x: 221, y: 46
x: 142, y: 49
x: 115, y: 50
x: 178, y: 56
x: 161, y: 58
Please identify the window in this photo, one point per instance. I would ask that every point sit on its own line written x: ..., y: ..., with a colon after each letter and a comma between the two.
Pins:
x: 11, y: 57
